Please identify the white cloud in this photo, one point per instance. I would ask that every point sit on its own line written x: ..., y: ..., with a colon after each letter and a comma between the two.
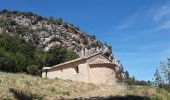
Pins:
x: 127, y: 53
x: 132, y: 20
x: 162, y: 12
x: 160, y: 17
x: 165, y: 25
x: 125, y: 25
x: 159, y: 14
x: 154, y: 46
x: 136, y: 17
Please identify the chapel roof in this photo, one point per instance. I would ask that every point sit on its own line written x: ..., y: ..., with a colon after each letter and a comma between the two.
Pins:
x: 84, y: 58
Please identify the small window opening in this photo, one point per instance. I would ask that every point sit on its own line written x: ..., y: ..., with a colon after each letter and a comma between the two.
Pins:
x: 77, y: 69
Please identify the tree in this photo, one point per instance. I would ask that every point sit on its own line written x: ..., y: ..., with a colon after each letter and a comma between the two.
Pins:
x: 71, y: 55
x: 121, y: 68
x: 4, y: 11
x: 52, y: 20
x: 127, y: 74
x: 60, y: 21
x: 55, y: 55
x: 162, y: 76
x: 165, y: 68
x: 158, y: 79
x: 77, y: 28
x: 32, y: 69
x: 133, y: 80
x: 93, y: 37
x: 20, y: 62
x: 58, y: 54
x: 17, y: 55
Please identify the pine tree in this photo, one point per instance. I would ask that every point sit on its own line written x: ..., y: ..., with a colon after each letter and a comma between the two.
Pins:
x: 52, y: 20
x: 133, y: 80
x: 60, y: 21
x: 127, y: 74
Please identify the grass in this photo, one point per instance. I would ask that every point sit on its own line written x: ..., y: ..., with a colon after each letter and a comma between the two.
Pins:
x: 58, y: 90
x: 19, y: 86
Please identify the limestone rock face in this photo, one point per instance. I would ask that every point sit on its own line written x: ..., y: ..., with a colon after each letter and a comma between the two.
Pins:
x: 30, y: 26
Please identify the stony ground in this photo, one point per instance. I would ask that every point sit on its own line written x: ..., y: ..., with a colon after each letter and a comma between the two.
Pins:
x: 26, y: 87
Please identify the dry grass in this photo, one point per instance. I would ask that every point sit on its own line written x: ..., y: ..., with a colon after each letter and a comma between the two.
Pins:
x: 22, y: 86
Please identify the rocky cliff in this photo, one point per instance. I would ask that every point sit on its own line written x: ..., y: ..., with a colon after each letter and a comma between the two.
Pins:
x: 45, y: 33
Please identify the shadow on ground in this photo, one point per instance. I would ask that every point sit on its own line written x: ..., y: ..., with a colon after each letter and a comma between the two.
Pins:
x: 19, y: 95
x: 128, y: 97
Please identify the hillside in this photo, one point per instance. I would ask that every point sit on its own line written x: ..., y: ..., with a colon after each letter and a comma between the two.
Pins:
x: 27, y: 41
x: 46, y: 33
x: 26, y: 87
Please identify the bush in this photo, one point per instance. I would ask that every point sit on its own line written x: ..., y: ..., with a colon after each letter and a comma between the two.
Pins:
x: 59, y: 91
x: 32, y: 69
x: 58, y: 54
x: 16, y: 55
x: 52, y: 20
x: 77, y: 28
x: 60, y: 21
x: 4, y: 11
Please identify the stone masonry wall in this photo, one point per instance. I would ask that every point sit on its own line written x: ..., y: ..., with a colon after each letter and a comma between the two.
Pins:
x: 102, y: 74
x: 68, y: 71
x: 90, y: 72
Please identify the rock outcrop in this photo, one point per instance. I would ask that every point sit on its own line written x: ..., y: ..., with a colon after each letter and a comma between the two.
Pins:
x: 32, y: 27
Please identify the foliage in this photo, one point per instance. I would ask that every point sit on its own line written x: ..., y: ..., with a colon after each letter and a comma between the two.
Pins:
x: 93, y: 37
x: 162, y: 76
x: 58, y: 90
x: 70, y: 55
x: 16, y: 55
x: 127, y: 74
x: 77, y: 28
x: 52, y: 20
x: 109, y: 49
x: 158, y: 79
x: 62, y: 55
x: 60, y: 21
x: 131, y: 80
x: 32, y: 69
x: 96, y: 44
x: 4, y: 11
x: 85, y: 41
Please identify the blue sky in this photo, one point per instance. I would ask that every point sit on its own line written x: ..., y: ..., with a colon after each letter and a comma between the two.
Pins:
x: 137, y: 30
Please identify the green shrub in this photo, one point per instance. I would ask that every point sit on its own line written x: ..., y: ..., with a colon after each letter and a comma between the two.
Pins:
x: 60, y: 21
x: 32, y: 69
x: 4, y: 11
x: 16, y: 55
x: 52, y: 20
x: 59, y: 91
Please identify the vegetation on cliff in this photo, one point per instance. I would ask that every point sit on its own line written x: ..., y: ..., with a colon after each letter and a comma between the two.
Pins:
x: 45, y: 33
x: 17, y: 55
